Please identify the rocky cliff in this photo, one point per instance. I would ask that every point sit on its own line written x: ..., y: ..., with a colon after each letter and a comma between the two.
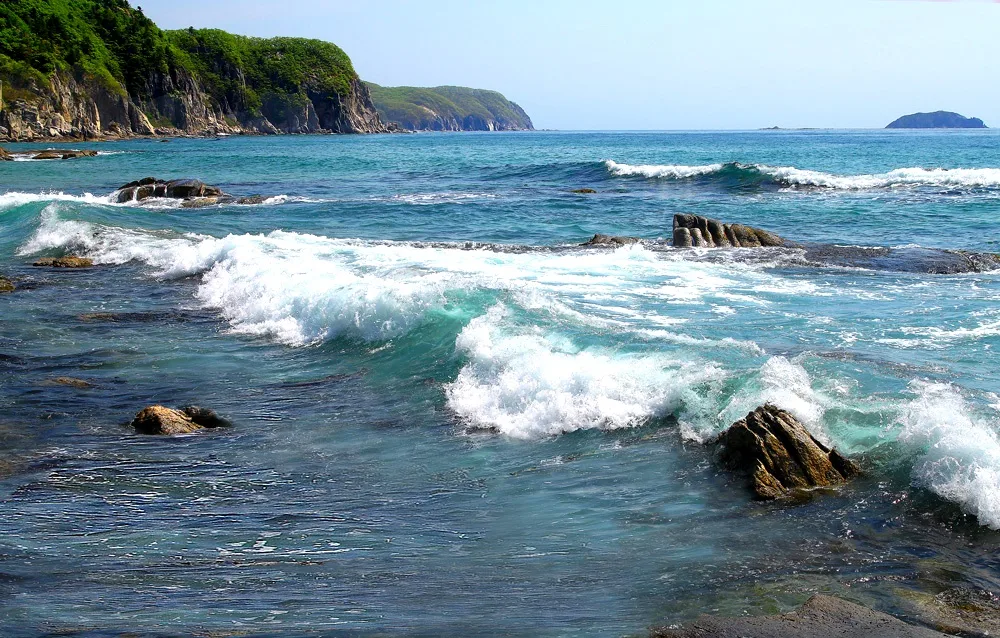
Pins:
x: 937, y: 119
x: 98, y: 68
x: 448, y: 108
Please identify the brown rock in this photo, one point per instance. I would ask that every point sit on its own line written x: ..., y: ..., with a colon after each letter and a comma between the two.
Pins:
x: 583, y: 191
x: 6, y: 285
x: 65, y: 262
x: 69, y: 382
x: 780, y: 455
x: 610, y: 240
x: 53, y: 154
x: 158, y: 419
x: 702, y: 232
x: 5, y: 156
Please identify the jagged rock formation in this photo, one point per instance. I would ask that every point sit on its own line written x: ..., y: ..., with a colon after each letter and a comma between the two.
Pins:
x: 64, y: 262
x: 448, y: 108
x: 157, y: 419
x: 195, y: 193
x: 937, y: 119
x: 779, y: 454
x: 820, y: 617
x: 100, y: 68
x: 702, y: 232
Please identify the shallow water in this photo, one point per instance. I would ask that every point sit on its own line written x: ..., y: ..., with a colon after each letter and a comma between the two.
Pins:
x: 450, y: 419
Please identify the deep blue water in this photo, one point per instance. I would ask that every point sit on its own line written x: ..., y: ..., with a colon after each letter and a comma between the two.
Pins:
x: 451, y: 420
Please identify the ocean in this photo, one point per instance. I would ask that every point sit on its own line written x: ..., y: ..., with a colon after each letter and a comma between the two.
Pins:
x: 451, y: 419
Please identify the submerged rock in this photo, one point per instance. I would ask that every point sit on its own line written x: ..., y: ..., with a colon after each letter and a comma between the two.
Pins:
x: 54, y: 154
x: 157, y: 419
x: 65, y: 262
x: 69, y: 382
x: 583, y: 191
x: 962, y: 611
x: 610, y: 240
x: 694, y: 231
x: 6, y: 285
x: 780, y: 455
x: 820, y: 617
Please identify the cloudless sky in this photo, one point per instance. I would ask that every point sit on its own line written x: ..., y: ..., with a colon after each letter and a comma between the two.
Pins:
x: 656, y: 64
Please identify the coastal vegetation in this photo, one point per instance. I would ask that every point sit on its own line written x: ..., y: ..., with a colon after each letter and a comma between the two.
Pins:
x: 448, y: 108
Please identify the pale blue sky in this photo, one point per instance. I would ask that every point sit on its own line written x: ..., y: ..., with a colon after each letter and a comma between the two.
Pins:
x: 646, y: 64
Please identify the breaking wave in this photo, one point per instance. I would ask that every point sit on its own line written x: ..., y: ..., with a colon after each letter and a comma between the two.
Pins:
x: 790, y: 177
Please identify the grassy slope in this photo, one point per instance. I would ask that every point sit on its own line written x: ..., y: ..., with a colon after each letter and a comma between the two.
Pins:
x: 407, y: 105
x: 118, y: 45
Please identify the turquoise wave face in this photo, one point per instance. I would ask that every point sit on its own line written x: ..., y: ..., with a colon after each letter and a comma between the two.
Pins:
x: 442, y: 399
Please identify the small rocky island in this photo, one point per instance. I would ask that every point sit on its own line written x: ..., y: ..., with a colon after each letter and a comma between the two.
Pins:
x: 937, y: 119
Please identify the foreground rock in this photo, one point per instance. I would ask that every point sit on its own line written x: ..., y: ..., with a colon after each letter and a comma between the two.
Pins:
x: 694, y: 231
x: 158, y: 419
x: 195, y: 193
x: 610, y: 240
x: 54, y: 154
x: 5, y: 156
x: 780, y: 455
x: 820, y: 617
x: 65, y: 262
x: 6, y: 285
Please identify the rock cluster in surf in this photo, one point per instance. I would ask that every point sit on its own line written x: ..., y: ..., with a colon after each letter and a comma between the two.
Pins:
x: 780, y: 455
x: 157, y: 419
x: 6, y: 285
x: 65, y: 262
x: 195, y: 193
x: 701, y: 232
x: 610, y: 240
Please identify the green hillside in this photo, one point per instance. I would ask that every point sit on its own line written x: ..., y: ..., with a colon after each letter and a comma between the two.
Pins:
x: 448, y: 108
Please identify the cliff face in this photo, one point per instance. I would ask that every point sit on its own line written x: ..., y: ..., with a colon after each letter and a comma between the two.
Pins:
x: 129, y: 78
x: 448, y: 108
x: 937, y: 119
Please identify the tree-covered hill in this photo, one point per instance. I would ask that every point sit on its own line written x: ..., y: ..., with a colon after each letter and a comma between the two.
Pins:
x: 448, y: 108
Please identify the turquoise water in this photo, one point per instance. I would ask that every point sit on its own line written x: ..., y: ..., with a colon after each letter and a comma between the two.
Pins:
x: 452, y: 420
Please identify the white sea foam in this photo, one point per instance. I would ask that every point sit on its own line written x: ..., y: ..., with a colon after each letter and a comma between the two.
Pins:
x: 13, y: 199
x: 960, y: 451
x: 792, y: 176
x: 528, y: 383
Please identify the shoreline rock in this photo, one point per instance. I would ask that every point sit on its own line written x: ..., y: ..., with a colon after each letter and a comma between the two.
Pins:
x: 194, y: 193
x: 610, y: 240
x: 65, y: 262
x: 820, y: 617
x: 695, y: 231
x: 6, y: 285
x: 780, y: 455
x: 54, y: 154
x: 161, y: 420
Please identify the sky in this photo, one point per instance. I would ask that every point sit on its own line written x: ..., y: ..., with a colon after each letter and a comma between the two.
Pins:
x: 656, y: 64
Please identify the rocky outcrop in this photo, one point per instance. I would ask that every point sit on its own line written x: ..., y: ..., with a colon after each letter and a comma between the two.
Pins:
x: 5, y: 156
x: 583, y: 191
x: 702, y: 232
x: 6, y: 285
x: 610, y: 240
x: 68, y: 382
x: 780, y: 455
x: 64, y: 262
x: 820, y: 617
x: 195, y: 193
x: 157, y: 419
x: 448, y: 108
x: 54, y: 154
x: 937, y: 119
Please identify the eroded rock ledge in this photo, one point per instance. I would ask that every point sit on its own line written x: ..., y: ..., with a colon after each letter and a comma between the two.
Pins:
x: 820, y: 617
x: 694, y: 231
x: 779, y: 454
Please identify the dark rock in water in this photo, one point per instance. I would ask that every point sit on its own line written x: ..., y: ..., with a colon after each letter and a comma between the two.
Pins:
x: 63, y: 154
x: 6, y: 285
x: 937, y: 119
x: 184, y: 188
x: 610, y: 240
x: 65, y: 262
x: 5, y: 156
x: 250, y: 200
x: 583, y: 191
x: 158, y: 419
x: 701, y: 232
x: 820, y: 617
x: 195, y: 193
x: 780, y: 455
x: 919, y: 260
x: 69, y: 382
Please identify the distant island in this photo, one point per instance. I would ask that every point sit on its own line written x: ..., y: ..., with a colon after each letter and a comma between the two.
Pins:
x: 937, y: 119
x: 447, y: 108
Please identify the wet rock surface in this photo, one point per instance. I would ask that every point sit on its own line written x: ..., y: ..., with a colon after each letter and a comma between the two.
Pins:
x: 820, y: 617
x: 6, y: 285
x: 64, y: 262
x: 694, y: 231
x: 610, y: 240
x: 780, y: 455
x: 193, y: 192
x: 54, y: 154
x: 158, y: 419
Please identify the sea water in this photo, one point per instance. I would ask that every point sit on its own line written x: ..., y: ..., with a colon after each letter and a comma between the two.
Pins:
x: 451, y: 419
